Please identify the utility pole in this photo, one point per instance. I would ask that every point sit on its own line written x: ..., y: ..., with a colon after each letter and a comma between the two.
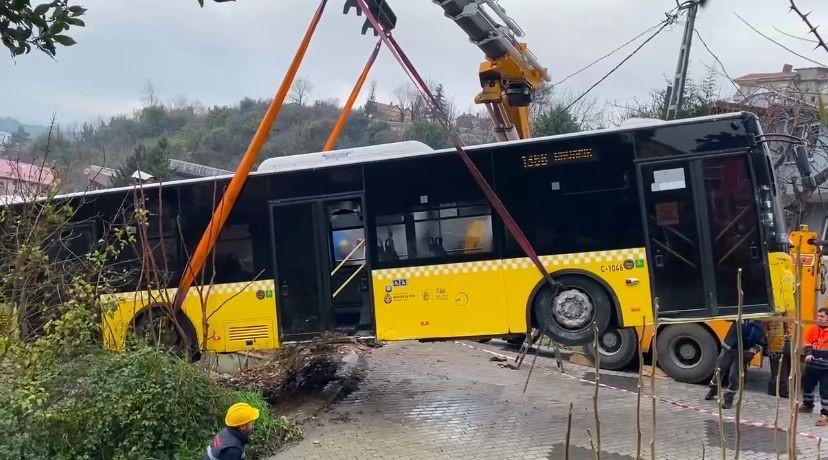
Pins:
x: 677, y: 90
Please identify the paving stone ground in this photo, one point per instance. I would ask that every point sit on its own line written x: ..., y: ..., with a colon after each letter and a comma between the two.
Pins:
x: 448, y: 400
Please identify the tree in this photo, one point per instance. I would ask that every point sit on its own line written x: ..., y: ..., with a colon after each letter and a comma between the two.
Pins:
x: 429, y: 132
x: 23, y: 27
x: 699, y: 100
x: 19, y: 137
x: 300, y: 91
x: 150, y: 96
x: 154, y: 161
x: 403, y: 99
x: 440, y: 98
x: 557, y: 120
x: 370, y: 107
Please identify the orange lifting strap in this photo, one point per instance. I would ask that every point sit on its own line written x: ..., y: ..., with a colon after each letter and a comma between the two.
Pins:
x: 231, y: 194
x: 346, y: 111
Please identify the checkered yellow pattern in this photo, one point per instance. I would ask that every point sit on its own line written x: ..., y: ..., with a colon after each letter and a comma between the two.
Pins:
x: 552, y: 263
x: 216, y: 289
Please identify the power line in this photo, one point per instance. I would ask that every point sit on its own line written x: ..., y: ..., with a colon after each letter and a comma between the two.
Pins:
x: 670, y: 19
x: 619, y: 48
x: 777, y: 43
x: 721, y: 64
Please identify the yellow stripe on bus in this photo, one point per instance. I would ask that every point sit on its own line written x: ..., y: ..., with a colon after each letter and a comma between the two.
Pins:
x: 491, y: 297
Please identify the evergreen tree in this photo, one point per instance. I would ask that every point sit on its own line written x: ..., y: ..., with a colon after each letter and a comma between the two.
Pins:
x: 556, y: 120
x: 440, y: 97
x: 154, y: 161
x: 19, y: 138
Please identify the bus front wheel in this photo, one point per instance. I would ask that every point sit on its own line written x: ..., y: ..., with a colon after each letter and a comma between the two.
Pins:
x: 618, y: 349
x: 567, y: 317
x: 687, y: 352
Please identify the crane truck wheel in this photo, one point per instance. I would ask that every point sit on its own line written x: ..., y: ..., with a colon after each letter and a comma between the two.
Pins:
x: 618, y: 349
x: 568, y: 316
x: 687, y: 352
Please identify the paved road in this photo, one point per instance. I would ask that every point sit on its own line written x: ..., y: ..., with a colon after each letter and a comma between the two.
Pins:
x: 448, y: 400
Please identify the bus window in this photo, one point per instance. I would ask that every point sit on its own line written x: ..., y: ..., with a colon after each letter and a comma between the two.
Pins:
x: 75, y: 242
x: 234, y: 255
x: 586, y: 203
x: 163, y: 270
x: 392, y: 244
x: 451, y: 231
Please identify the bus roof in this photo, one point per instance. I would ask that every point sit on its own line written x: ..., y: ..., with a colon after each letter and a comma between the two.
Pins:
x: 406, y: 149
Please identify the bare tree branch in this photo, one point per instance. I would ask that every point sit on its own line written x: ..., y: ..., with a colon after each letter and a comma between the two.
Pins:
x: 813, y: 28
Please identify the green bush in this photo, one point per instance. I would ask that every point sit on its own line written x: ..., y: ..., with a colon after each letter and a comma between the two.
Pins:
x: 142, y: 404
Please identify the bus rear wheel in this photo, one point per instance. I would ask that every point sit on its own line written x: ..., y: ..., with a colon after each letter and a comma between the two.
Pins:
x: 568, y: 316
x: 618, y: 349
x: 687, y: 352
x: 155, y: 326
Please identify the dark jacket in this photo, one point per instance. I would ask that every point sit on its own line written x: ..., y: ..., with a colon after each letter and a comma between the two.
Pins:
x: 227, y: 445
x: 753, y: 335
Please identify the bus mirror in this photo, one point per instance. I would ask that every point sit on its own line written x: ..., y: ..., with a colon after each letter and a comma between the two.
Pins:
x: 803, y: 164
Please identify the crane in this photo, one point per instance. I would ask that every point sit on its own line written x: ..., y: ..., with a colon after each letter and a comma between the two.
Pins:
x: 510, y: 74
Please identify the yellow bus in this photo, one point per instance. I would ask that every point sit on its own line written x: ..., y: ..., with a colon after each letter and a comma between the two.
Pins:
x: 397, y: 241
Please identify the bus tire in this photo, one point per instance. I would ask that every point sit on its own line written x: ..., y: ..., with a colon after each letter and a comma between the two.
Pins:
x: 153, y: 326
x: 687, y: 352
x: 618, y: 349
x: 567, y: 318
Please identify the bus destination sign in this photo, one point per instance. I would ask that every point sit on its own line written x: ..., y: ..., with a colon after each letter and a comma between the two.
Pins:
x: 542, y: 160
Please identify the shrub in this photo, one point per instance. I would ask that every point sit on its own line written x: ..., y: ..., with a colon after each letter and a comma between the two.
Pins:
x: 143, y: 404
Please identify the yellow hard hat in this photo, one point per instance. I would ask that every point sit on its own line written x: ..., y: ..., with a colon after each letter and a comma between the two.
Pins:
x: 239, y: 414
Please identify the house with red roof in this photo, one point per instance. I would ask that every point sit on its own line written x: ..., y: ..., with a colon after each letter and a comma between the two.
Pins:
x: 19, y: 178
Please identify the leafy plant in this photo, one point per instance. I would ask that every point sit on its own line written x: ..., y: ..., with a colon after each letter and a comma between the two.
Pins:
x: 271, y: 431
x: 24, y: 26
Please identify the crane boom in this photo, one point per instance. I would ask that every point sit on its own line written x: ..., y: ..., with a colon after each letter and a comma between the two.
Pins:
x: 511, y: 73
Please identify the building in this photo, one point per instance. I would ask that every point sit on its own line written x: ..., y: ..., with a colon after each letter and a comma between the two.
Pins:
x: 790, y: 86
x: 99, y: 177
x: 789, y: 103
x: 18, y: 179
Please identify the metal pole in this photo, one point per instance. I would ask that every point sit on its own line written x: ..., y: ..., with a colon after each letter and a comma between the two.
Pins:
x: 677, y: 90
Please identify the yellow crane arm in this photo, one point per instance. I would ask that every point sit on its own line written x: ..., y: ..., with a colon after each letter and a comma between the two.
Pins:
x: 510, y: 74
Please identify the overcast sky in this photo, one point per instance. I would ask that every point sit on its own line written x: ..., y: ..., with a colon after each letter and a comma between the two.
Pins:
x: 224, y: 52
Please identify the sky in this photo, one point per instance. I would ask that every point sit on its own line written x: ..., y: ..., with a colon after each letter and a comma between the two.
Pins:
x: 224, y: 52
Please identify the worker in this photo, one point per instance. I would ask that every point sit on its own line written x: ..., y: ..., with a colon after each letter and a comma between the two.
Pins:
x: 229, y: 443
x: 727, y: 364
x: 816, y: 367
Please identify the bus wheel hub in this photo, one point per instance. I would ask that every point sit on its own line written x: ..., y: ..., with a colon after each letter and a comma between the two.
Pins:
x: 572, y: 309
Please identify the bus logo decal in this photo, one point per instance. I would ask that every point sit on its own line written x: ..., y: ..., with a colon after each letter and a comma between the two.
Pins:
x: 629, y: 264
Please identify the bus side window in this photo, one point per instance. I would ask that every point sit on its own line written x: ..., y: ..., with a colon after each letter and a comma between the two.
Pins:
x: 74, y: 242
x: 392, y: 242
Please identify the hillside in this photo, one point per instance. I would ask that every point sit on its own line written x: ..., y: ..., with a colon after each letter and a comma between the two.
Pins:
x: 218, y: 136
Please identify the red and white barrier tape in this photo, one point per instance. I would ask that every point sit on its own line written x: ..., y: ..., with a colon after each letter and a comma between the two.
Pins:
x: 681, y: 405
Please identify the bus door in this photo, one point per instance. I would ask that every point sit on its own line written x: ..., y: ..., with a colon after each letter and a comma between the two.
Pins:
x: 321, y: 270
x: 702, y: 226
